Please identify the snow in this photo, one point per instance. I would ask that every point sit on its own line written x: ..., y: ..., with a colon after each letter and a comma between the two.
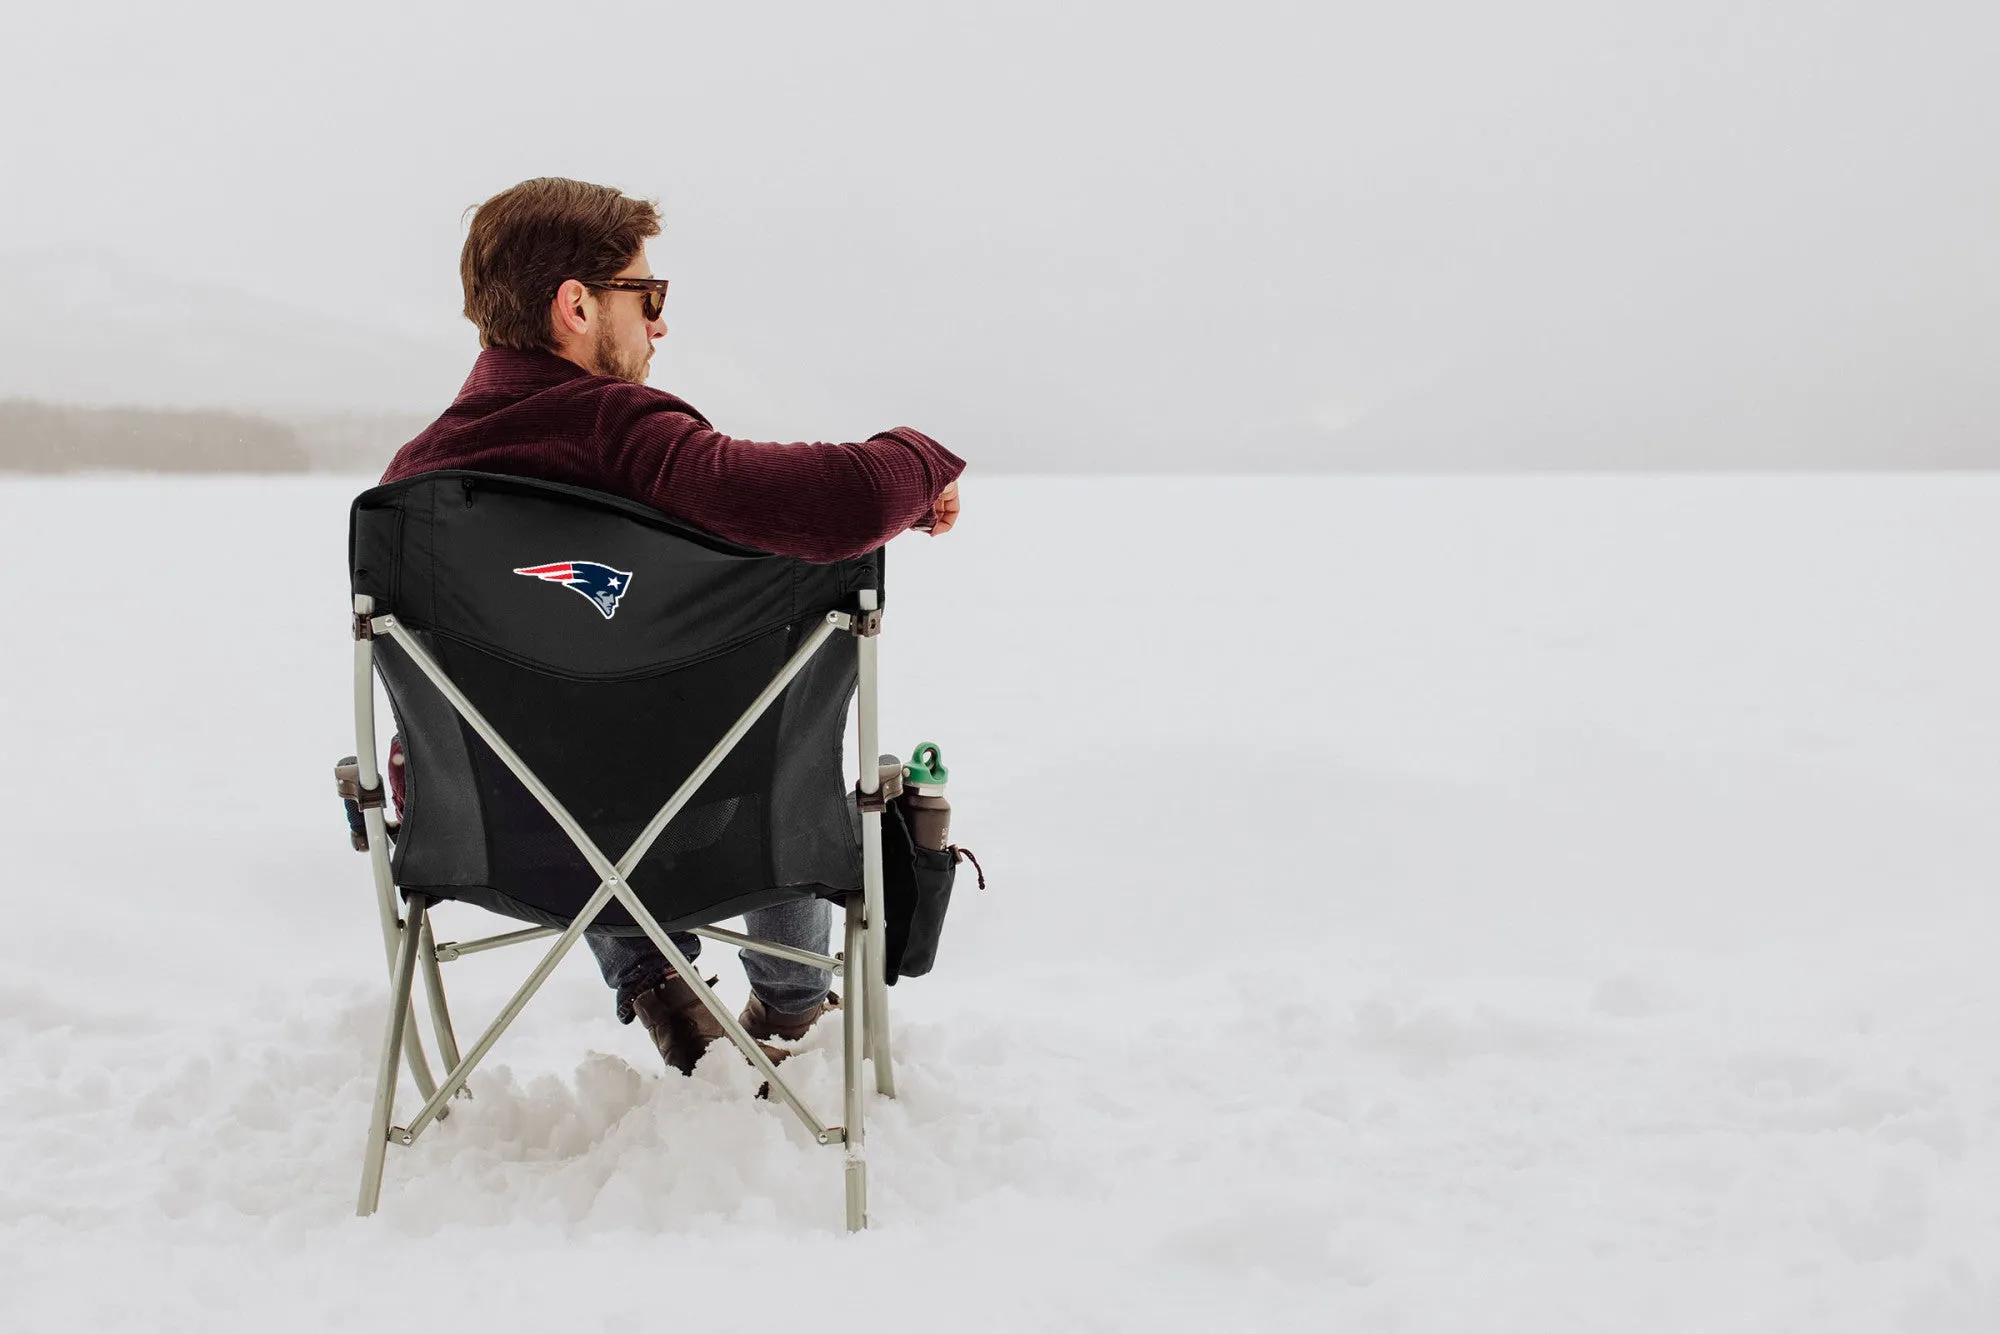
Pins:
x: 1529, y: 904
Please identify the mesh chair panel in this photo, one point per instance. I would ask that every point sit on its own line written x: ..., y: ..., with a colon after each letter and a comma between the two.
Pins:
x: 610, y: 705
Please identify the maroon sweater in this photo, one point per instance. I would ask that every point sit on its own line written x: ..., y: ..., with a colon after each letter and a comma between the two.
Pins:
x: 533, y: 414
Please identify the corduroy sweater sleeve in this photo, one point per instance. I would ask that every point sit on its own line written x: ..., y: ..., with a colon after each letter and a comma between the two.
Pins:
x: 819, y: 502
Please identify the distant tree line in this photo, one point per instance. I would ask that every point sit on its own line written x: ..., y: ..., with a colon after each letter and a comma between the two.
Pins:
x: 46, y: 438
x: 38, y: 437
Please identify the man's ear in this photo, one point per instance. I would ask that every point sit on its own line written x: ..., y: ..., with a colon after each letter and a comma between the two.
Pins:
x: 570, y: 311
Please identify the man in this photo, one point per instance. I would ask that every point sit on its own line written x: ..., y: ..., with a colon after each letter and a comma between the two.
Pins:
x: 568, y: 310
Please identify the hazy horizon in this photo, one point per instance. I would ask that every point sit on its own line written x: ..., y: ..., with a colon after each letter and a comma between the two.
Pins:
x: 1172, y: 238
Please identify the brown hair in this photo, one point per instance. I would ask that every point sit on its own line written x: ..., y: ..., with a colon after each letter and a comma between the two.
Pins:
x: 525, y: 242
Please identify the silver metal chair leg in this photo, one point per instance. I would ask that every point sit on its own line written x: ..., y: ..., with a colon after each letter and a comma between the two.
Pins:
x: 387, y: 1068
x: 378, y: 834
x: 393, y: 930
x: 853, y: 1038
x: 873, y: 979
x: 413, y: 1055
x: 440, y: 1014
x: 873, y: 987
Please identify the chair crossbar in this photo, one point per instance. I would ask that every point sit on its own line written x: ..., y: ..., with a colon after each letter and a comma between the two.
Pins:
x: 748, y: 1045
x: 775, y: 950
x: 508, y: 1012
x: 458, y: 949
x: 612, y: 876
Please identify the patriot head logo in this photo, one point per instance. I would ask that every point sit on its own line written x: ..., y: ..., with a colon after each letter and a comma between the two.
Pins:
x: 603, y: 585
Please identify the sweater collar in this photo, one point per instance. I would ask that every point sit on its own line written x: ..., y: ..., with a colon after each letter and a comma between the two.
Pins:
x: 512, y: 373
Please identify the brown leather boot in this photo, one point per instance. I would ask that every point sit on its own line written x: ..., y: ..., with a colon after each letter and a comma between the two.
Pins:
x: 762, y: 1022
x: 681, y: 1026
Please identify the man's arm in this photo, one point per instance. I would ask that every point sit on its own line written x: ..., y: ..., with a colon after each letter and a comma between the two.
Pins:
x: 817, y: 502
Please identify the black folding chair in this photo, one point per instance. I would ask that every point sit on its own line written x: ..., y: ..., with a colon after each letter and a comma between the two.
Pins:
x: 573, y: 673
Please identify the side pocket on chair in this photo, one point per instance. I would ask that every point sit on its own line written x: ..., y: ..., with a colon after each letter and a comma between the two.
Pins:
x: 916, y: 891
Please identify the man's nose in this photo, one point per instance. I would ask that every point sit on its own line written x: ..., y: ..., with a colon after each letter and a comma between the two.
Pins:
x: 656, y: 329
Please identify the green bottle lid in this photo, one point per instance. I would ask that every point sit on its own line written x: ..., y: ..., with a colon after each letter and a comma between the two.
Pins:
x: 926, y: 766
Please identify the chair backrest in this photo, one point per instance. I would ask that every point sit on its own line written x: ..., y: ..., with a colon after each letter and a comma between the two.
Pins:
x: 611, y: 647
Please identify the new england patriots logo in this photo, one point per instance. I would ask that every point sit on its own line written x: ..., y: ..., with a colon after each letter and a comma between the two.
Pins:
x: 603, y: 585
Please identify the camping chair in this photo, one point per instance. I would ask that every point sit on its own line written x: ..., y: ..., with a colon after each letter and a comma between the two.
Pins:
x: 611, y: 721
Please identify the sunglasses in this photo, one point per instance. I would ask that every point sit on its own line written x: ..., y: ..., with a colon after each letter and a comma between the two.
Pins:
x: 653, y: 292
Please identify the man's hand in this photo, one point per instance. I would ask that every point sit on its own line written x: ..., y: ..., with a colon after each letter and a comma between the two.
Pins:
x: 945, y: 513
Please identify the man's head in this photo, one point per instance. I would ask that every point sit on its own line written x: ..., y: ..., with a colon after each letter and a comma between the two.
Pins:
x: 534, y: 262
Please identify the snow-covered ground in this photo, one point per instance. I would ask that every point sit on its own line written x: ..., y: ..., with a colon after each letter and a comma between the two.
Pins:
x: 1499, y: 905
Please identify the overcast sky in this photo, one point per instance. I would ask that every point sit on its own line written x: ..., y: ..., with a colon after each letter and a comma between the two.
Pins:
x: 1183, y: 235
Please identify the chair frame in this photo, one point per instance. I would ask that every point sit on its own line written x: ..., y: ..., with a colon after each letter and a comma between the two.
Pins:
x: 408, y: 940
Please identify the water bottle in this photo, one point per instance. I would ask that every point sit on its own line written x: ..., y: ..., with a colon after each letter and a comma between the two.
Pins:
x: 925, y: 809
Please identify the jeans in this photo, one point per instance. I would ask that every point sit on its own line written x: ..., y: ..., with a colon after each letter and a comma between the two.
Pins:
x: 633, y: 965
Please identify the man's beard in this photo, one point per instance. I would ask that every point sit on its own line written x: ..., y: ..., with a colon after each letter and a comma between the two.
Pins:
x: 618, y: 363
